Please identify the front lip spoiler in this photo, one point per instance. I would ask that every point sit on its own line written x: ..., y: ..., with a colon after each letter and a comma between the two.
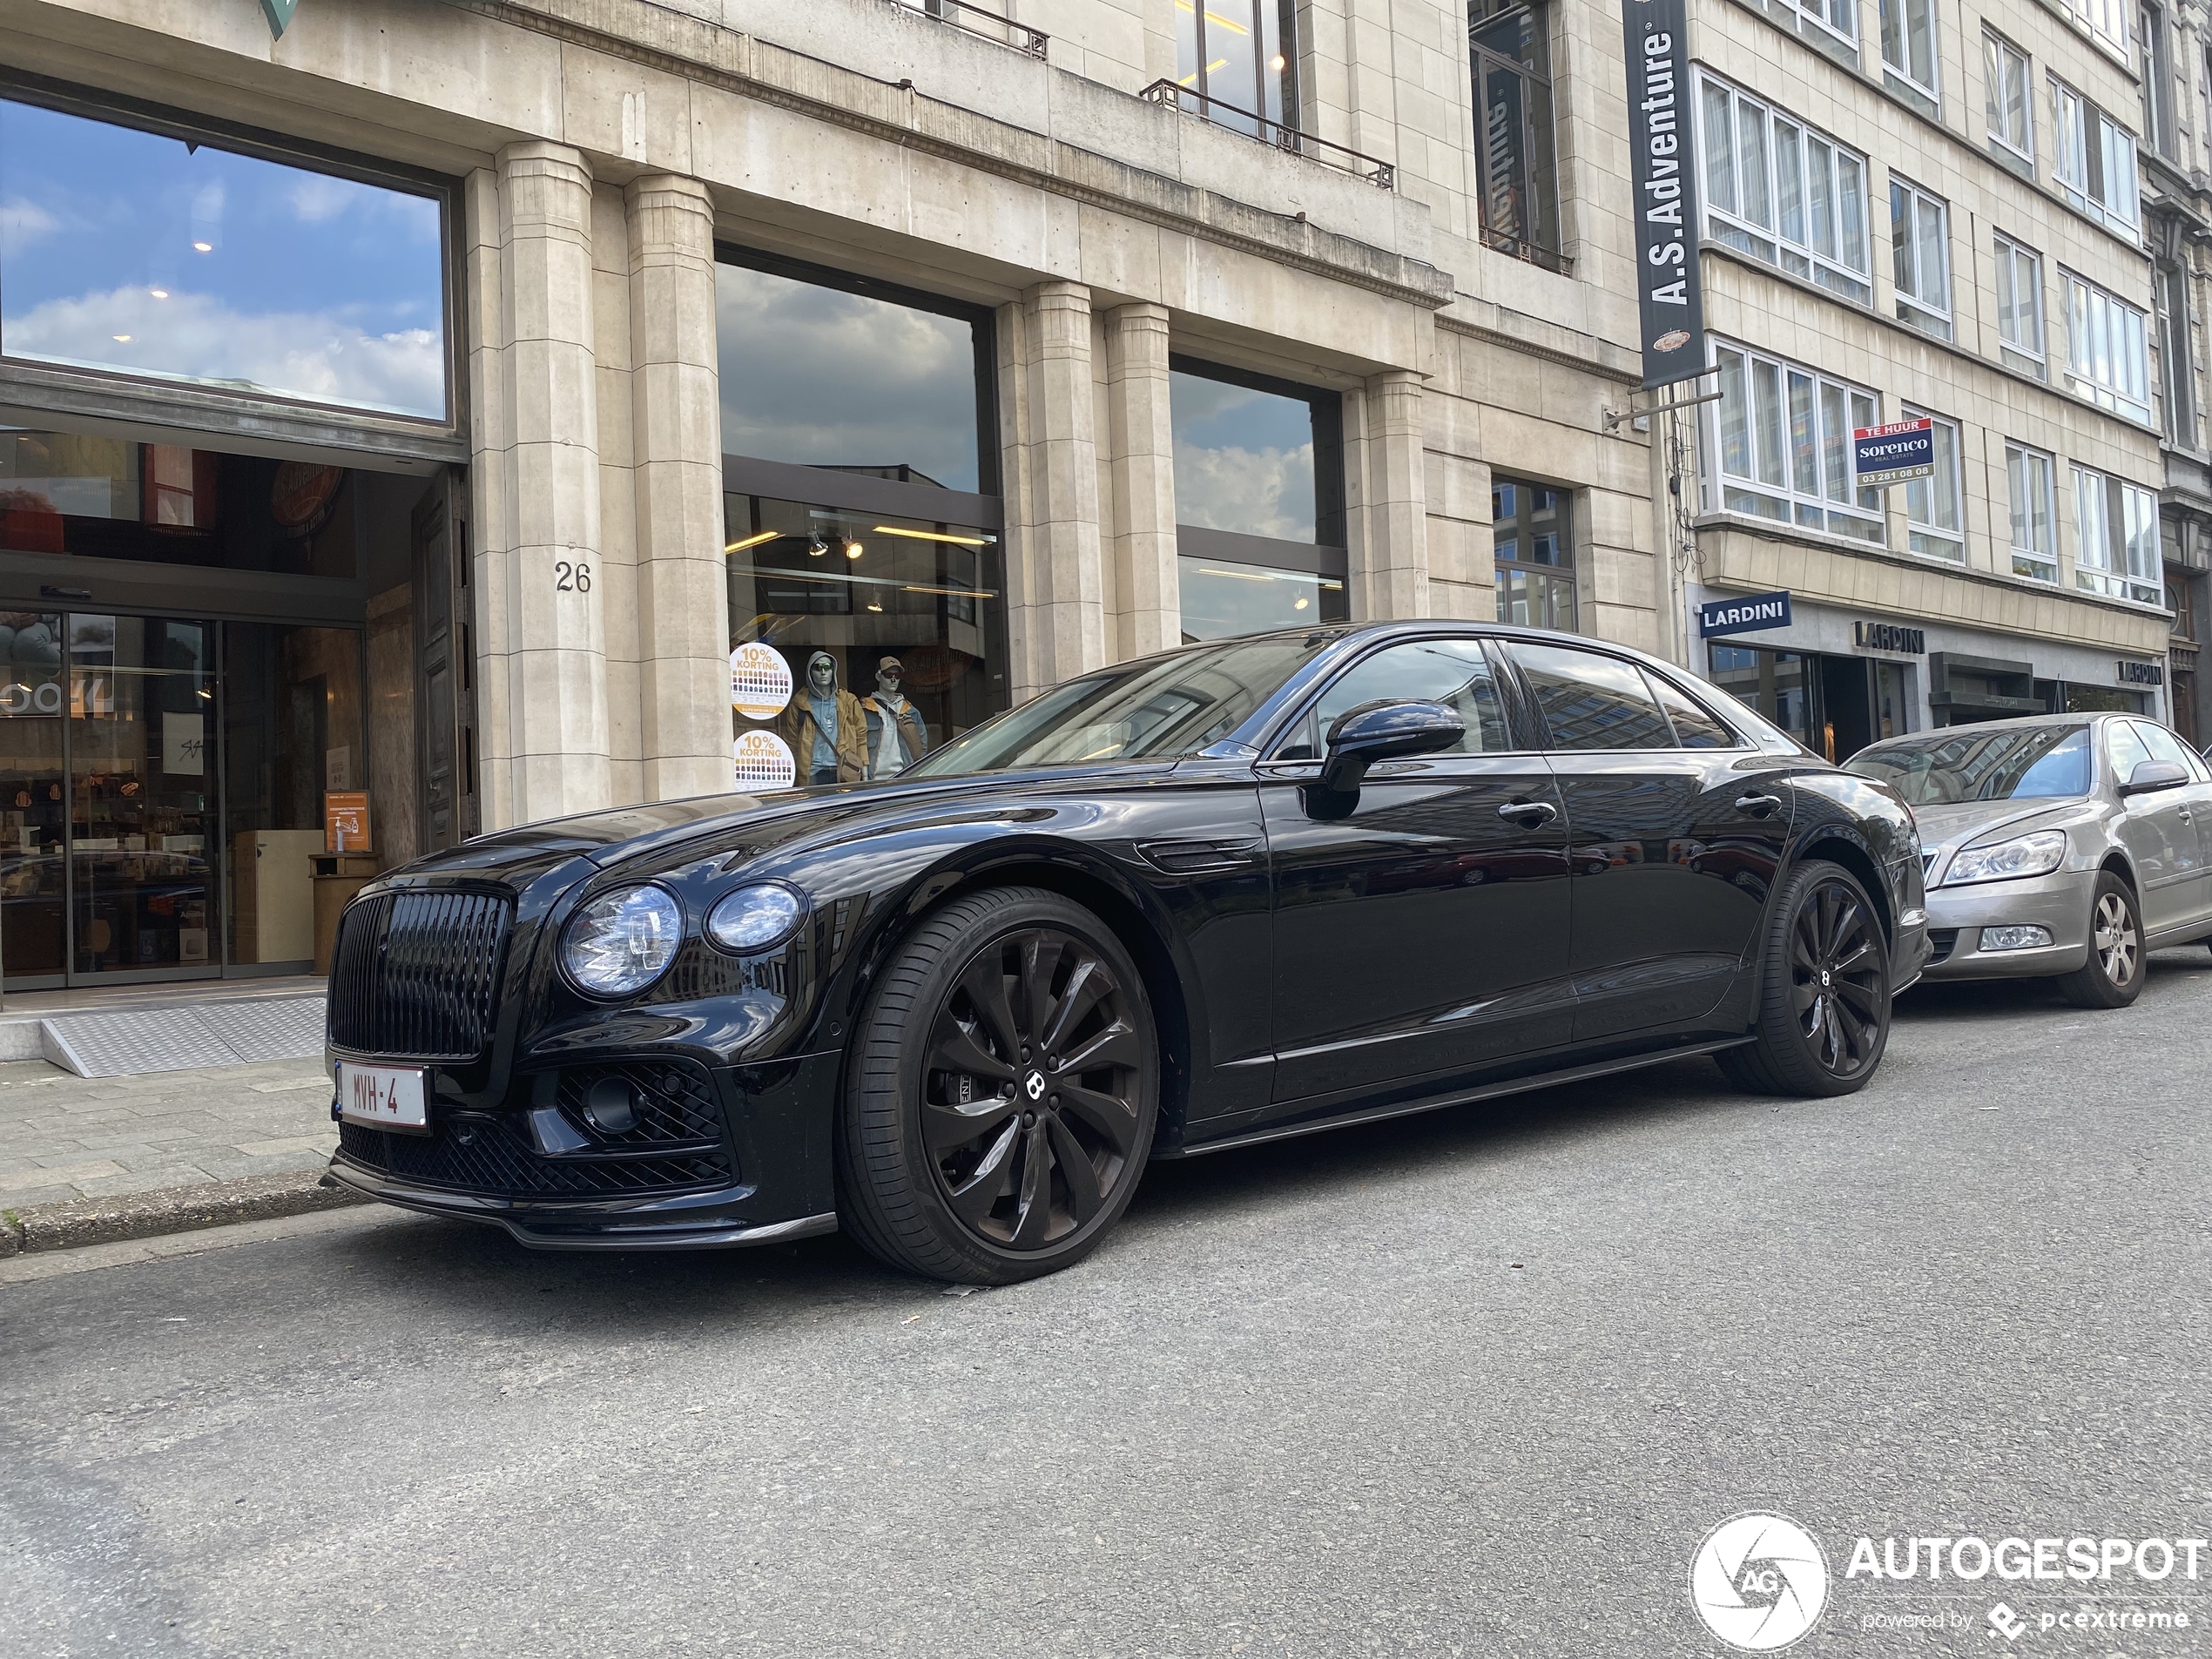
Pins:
x: 705, y: 1225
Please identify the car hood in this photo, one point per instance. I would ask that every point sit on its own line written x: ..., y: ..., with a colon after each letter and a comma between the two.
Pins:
x: 1943, y: 828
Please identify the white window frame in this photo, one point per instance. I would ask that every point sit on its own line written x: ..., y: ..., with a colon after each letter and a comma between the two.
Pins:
x: 1838, y: 18
x: 1758, y: 136
x: 1922, y: 296
x: 1929, y: 502
x: 2108, y: 349
x: 2094, y: 162
x: 1931, y: 88
x: 1998, y: 59
x: 2107, y: 22
x: 2010, y: 256
x: 1808, y: 486
x: 2116, y: 547
x: 2035, y: 538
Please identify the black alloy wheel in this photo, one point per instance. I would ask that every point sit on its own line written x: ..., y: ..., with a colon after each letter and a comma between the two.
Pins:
x: 1003, y: 1093
x: 1824, y: 1018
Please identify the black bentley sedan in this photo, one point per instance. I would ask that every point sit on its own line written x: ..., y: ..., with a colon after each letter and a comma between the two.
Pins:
x: 1242, y: 890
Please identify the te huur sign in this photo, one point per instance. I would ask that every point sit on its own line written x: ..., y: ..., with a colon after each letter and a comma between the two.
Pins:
x: 1751, y: 615
x: 1893, y: 454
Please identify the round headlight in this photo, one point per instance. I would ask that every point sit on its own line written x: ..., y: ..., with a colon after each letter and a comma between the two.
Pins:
x: 755, y: 917
x: 623, y: 941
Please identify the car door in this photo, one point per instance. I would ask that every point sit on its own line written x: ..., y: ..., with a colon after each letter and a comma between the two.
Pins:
x: 2190, y: 846
x: 1675, y: 829
x: 1420, y: 927
x: 2161, y: 842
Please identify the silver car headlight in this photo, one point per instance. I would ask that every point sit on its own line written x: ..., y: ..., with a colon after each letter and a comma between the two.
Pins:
x: 755, y: 918
x: 622, y: 941
x: 2024, y: 855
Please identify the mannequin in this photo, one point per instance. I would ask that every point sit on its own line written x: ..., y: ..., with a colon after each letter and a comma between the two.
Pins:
x: 825, y: 727
x: 897, y: 736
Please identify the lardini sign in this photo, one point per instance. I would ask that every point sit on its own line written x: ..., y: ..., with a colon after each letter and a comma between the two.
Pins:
x: 1755, y: 615
x: 2142, y: 673
x: 1888, y: 636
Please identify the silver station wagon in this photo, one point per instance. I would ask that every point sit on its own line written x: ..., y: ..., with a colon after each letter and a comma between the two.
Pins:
x: 2065, y: 846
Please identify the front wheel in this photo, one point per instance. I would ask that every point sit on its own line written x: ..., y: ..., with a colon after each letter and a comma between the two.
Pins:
x: 1824, y: 1018
x: 1002, y: 1093
x: 2113, y: 977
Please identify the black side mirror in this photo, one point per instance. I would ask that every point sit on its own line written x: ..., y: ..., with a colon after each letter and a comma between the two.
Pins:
x: 1386, y: 731
x: 2151, y: 776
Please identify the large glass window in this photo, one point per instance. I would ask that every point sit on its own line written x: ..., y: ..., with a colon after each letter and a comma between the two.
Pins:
x: 1532, y: 528
x: 1782, y: 445
x: 1920, y: 249
x: 2116, y: 549
x: 2108, y: 352
x: 1776, y: 684
x: 1783, y: 192
x: 1222, y: 598
x: 1515, y: 159
x: 2176, y: 367
x: 1242, y: 57
x: 1909, y: 44
x: 2094, y: 160
x: 2029, y: 476
x: 1933, y: 514
x: 2106, y: 20
x: 2020, y: 307
x: 828, y: 371
x: 2011, y: 106
x: 175, y: 258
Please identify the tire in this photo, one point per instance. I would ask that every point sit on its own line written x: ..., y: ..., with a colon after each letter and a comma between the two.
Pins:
x: 1014, y: 1161
x: 2113, y: 977
x: 1824, y: 1013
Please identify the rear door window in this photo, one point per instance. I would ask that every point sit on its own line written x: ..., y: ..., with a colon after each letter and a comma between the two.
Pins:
x: 1591, y: 702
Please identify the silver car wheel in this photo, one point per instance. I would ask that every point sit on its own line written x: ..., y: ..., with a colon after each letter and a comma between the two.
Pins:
x: 2118, y: 946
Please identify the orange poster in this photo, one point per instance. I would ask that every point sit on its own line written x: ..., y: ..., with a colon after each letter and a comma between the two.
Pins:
x: 345, y: 822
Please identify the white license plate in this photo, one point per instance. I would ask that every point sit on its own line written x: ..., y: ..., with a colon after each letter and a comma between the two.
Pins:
x: 384, y: 1096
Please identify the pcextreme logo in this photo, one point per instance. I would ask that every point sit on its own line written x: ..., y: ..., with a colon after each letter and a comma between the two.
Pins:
x: 1758, y: 1583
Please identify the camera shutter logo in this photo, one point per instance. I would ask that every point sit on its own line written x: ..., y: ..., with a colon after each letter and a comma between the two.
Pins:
x: 1758, y: 1582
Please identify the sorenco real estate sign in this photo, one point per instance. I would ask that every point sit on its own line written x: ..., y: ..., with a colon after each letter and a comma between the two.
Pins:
x: 1670, y: 300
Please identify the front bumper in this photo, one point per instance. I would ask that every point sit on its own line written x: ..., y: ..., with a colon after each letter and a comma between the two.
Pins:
x: 2059, y: 902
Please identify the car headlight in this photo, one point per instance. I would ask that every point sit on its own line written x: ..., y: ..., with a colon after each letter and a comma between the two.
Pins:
x: 2024, y: 855
x: 622, y: 941
x: 755, y: 917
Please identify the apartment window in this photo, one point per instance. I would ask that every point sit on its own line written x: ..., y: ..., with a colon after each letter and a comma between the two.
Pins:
x: 1909, y: 44
x: 1518, y: 186
x: 1782, y: 443
x: 2019, y: 308
x: 1934, y: 515
x: 2106, y: 19
x: 2116, y: 551
x: 2094, y: 160
x: 1243, y: 55
x: 1782, y: 192
x: 2005, y: 79
x: 1920, y: 250
x: 1532, y: 535
x: 2108, y: 359
x: 2029, y: 475
x: 1838, y: 18
x: 2158, y: 82
x: 2176, y: 364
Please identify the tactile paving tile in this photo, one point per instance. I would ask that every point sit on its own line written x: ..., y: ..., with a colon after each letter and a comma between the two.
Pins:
x: 279, y: 1028
x: 134, y: 1040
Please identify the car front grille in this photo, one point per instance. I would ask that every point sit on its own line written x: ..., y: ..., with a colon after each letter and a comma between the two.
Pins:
x: 415, y: 974
x: 671, y: 1102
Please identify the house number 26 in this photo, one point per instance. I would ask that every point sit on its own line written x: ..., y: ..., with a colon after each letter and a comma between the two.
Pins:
x: 571, y: 578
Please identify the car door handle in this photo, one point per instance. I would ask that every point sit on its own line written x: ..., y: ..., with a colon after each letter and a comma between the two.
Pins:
x: 1759, y: 806
x: 1530, y: 814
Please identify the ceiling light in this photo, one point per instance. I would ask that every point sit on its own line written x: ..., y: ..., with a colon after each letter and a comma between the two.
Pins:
x: 875, y: 606
x: 854, y: 549
x: 816, y: 547
x: 1275, y: 62
x: 957, y: 593
x: 933, y: 535
x: 1300, y: 603
x: 202, y: 247
x: 754, y: 541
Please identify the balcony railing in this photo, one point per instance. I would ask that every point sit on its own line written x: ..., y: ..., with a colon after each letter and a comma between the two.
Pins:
x: 1178, y: 96
x: 983, y: 23
x: 1506, y: 242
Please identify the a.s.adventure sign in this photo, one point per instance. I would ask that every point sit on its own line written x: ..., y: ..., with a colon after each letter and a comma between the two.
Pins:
x: 1671, y: 299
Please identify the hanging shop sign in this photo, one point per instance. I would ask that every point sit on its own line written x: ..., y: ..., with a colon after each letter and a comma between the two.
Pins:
x: 1889, y: 636
x: 2142, y: 673
x: 759, y: 681
x: 1752, y: 615
x: 301, y: 495
x: 1670, y: 300
x: 762, y: 760
x: 1891, y: 454
x: 279, y: 12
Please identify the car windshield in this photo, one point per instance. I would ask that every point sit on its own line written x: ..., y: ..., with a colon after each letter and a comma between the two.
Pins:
x: 2001, y: 763
x: 1161, y: 708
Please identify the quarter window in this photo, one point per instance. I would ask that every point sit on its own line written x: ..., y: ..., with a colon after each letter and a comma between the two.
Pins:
x: 1591, y: 702
x: 2109, y: 357
x: 2028, y: 475
x: 2117, y: 552
x: 1932, y: 512
x: 1783, y: 446
x: 2004, y: 78
x: 1920, y: 246
x: 2020, y: 307
x: 1693, y: 727
x: 1783, y: 192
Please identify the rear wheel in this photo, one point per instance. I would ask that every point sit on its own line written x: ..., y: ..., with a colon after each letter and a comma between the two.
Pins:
x: 1823, y: 1017
x: 2113, y: 977
x: 1003, y: 1091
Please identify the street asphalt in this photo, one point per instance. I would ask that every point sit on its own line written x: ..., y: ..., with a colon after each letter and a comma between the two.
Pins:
x: 1475, y: 1383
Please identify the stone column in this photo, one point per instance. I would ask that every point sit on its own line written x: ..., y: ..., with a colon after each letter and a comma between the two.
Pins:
x: 1141, y: 471
x: 683, y: 594
x: 1387, y: 509
x: 549, y: 601
x: 1056, y: 613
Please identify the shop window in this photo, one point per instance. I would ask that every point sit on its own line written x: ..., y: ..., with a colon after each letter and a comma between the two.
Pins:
x: 1241, y: 57
x: 1933, y: 513
x: 1221, y: 599
x: 2010, y: 101
x: 2094, y: 160
x: 1776, y: 684
x: 1532, y: 528
x: 1783, y: 192
x: 2019, y: 308
x: 1909, y: 48
x: 2030, y: 489
x: 1920, y: 257
x: 1516, y: 162
x: 1782, y: 444
x: 2116, y: 551
x: 171, y: 257
x: 2108, y: 350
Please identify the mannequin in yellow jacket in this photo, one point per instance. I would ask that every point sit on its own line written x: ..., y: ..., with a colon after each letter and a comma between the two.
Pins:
x: 827, y: 732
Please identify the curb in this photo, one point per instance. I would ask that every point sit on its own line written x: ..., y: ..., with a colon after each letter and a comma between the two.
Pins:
x: 170, y: 1210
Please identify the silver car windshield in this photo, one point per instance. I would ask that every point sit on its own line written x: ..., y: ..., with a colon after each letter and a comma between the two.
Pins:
x: 1159, y: 708
x: 1999, y: 763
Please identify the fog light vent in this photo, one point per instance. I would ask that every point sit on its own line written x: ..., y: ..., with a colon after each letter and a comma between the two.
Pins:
x: 610, y: 1107
x: 2015, y: 938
